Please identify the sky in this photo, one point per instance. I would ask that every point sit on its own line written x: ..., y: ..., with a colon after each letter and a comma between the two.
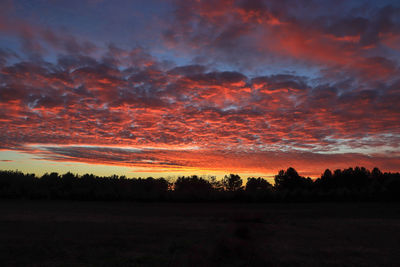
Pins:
x: 178, y: 87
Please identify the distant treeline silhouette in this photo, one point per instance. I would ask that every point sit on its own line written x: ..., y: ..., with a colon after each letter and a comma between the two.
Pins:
x: 358, y: 184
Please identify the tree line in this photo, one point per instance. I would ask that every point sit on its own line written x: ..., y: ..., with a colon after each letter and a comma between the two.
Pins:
x: 352, y: 184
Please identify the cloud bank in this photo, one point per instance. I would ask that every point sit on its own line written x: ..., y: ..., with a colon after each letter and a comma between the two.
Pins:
x: 267, y: 86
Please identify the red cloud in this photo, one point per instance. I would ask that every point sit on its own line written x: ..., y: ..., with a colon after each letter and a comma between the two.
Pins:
x: 100, y: 104
x: 259, y: 30
x: 192, y: 159
x: 346, y: 114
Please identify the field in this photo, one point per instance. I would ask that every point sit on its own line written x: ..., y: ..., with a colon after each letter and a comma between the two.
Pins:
x: 44, y: 233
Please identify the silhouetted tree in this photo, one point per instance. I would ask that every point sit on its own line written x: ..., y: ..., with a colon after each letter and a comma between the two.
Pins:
x: 254, y: 185
x: 347, y: 184
x: 258, y: 189
x: 376, y: 173
x: 217, y: 185
x: 233, y: 182
x: 193, y: 187
x: 290, y: 179
x: 327, y: 175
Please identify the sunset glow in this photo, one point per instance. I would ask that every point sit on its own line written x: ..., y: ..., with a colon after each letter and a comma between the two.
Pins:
x: 167, y: 88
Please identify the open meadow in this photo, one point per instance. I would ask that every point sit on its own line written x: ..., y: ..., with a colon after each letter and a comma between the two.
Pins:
x: 75, y: 233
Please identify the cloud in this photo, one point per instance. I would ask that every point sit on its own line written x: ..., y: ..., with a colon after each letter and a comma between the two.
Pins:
x: 84, y: 100
x: 340, y: 105
x: 256, y: 33
x: 193, y: 159
x: 36, y: 39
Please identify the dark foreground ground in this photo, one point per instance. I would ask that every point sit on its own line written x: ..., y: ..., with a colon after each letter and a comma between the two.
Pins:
x: 170, y: 234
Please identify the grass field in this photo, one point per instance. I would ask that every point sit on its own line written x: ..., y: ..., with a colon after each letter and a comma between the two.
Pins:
x: 40, y: 233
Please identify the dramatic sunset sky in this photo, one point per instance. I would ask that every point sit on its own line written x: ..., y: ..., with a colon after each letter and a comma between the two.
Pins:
x: 213, y: 87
